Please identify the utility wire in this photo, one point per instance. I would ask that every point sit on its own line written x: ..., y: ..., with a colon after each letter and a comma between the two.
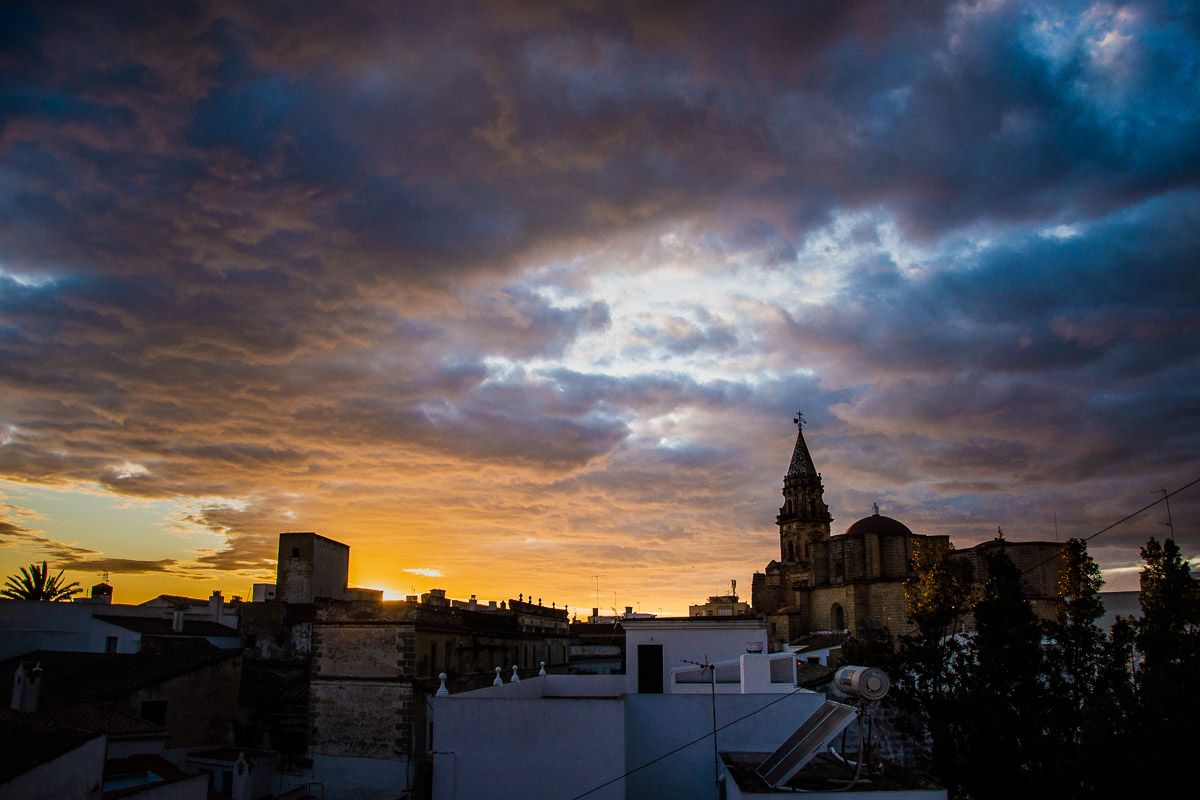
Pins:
x: 670, y: 753
x: 689, y: 744
x: 1123, y: 519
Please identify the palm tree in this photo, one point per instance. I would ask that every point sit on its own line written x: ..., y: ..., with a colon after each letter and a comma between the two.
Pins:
x: 35, y: 583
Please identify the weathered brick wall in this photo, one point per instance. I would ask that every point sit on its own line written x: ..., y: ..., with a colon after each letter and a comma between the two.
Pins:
x: 371, y: 719
x: 360, y: 692
x: 885, y: 606
x: 362, y: 650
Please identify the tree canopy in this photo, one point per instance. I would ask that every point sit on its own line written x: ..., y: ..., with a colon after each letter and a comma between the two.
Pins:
x: 36, y: 583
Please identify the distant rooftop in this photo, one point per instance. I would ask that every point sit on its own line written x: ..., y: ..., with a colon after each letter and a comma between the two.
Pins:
x: 89, y: 677
x: 161, y: 626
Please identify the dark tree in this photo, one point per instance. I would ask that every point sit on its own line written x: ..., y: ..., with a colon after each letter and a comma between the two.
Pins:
x: 36, y: 583
x: 1075, y: 651
x: 937, y: 594
x: 1002, y: 699
x: 1075, y: 657
x: 1170, y: 609
x: 1167, y: 662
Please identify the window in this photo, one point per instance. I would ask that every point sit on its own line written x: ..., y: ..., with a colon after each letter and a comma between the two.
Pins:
x: 433, y: 658
x: 154, y: 711
x: 448, y: 653
x: 837, y: 617
x: 295, y: 552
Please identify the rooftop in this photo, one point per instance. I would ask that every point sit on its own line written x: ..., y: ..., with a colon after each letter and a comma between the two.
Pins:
x: 161, y: 626
x: 89, y: 677
x: 827, y: 774
x: 29, y: 742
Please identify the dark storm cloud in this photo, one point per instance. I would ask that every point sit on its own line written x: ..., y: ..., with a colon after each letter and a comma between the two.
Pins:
x: 243, y: 244
x: 442, y: 140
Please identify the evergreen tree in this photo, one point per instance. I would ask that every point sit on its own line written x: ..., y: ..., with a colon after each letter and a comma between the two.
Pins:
x: 1167, y: 661
x: 1002, y: 699
x: 1075, y: 657
x: 937, y: 594
x: 1170, y: 609
x: 1107, y: 739
x: 1076, y: 649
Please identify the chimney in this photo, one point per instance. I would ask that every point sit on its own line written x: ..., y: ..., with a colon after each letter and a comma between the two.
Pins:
x: 242, y: 779
x: 628, y: 611
x: 177, y: 620
x: 473, y: 603
x: 216, y: 604
x: 595, y: 614
x: 102, y: 593
x: 27, y: 685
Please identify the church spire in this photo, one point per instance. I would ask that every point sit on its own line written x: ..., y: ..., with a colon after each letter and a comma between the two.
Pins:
x: 802, y: 463
x: 804, y: 517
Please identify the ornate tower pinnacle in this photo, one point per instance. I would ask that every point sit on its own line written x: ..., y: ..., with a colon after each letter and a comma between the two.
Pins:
x: 802, y: 463
x: 804, y: 517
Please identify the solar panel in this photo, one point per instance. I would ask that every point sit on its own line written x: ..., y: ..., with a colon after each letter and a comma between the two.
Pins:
x: 809, y: 739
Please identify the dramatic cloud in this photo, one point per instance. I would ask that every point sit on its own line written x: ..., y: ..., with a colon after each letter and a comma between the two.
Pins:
x: 530, y: 292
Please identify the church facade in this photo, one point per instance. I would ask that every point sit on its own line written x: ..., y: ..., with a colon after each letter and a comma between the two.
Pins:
x: 854, y: 581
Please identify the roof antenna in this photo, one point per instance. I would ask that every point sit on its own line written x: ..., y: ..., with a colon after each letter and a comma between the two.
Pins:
x: 1170, y: 523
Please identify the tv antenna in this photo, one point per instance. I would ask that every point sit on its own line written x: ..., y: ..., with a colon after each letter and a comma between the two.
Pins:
x: 597, y: 579
x: 1169, y: 523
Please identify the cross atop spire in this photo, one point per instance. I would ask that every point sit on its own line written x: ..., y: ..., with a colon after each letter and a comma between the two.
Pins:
x: 802, y: 463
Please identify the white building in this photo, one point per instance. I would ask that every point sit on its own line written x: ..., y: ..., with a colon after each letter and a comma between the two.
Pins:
x: 561, y: 736
x: 695, y: 688
x: 654, y: 647
x: 106, y: 627
x: 558, y: 736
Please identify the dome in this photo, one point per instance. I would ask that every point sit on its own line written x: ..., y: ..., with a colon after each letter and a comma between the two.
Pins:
x: 878, y: 524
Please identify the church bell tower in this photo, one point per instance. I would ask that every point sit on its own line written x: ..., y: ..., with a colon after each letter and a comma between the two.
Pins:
x: 804, y: 517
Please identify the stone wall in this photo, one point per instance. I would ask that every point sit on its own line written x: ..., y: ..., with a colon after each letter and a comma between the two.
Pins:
x: 361, y: 692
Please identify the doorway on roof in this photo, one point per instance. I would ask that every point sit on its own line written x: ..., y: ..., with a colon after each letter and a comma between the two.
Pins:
x: 650, y: 668
x: 837, y: 617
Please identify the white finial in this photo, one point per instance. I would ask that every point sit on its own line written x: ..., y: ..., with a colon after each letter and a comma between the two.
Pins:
x: 497, y: 682
x: 515, y: 677
x: 542, y: 671
x: 442, y: 690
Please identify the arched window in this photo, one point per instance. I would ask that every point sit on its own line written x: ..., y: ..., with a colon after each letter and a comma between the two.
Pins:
x: 791, y: 551
x: 837, y: 617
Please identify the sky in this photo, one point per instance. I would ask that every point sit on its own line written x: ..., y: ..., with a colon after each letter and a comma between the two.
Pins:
x: 522, y: 297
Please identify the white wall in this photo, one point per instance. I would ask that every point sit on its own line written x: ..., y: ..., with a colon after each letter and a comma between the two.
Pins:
x: 71, y: 775
x: 656, y: 724
x: 530, y: 747
x: 351, y: 778
x: 27, y: 625
x: 521, y: 741
x: 694, y: 638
